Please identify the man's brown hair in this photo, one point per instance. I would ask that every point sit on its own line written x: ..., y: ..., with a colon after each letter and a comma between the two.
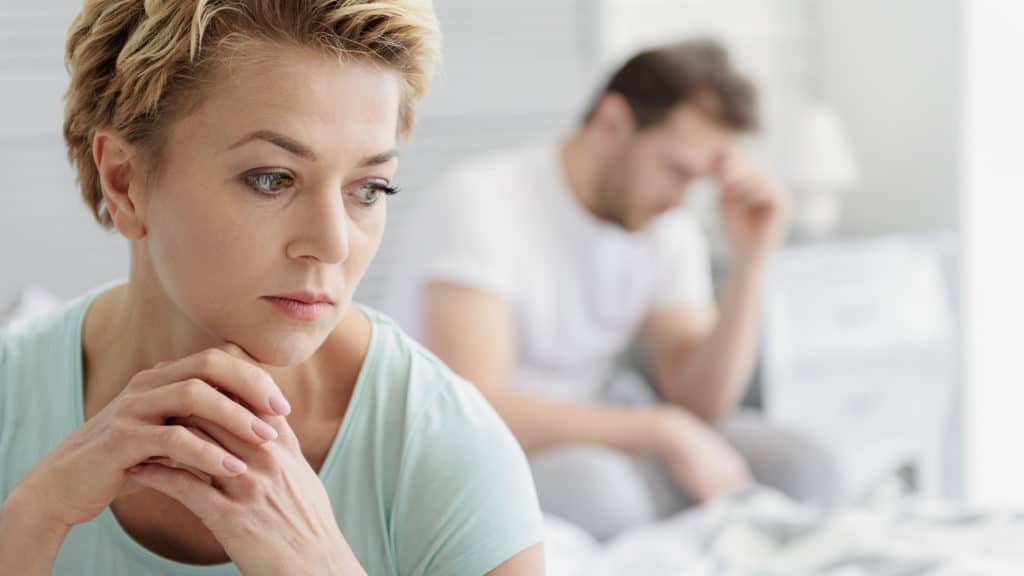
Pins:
x: 655, y: 81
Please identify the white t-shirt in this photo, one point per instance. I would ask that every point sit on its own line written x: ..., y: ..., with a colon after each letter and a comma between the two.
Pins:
x: 579, y: 288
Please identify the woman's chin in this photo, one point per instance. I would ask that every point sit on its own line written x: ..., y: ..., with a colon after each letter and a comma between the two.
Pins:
x: 281, y: 351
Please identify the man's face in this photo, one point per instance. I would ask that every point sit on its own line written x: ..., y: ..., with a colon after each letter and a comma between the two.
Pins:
x: 655, y: 166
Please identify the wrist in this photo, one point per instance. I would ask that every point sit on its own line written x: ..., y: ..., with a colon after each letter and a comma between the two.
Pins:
x: 669, y: 429
x: 29, y: 541
x: 33, y: 500
x: 333, y: 556
x: 750, y: 261
x: 29, y: 511
x: 345, y: 561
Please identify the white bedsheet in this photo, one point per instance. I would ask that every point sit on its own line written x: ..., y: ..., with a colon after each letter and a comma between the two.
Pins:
x: 759, y: 532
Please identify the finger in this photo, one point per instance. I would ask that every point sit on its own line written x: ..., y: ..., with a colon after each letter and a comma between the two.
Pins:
x: 257, y: 458
x: 732, y: 193
x: 725, y: 164
x: 217, y: 434
x: 199, y: 497
x: 232, y: 444
x: 761, y: 192
x: 174, y: 464
x: 197, y: 397
x: 184, y: 447
x: 234, y: 375
x: 280, y: 405
x: 164, y: 461
x: 237, y: 351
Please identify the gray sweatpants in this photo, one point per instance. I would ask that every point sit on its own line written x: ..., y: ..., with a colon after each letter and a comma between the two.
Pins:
x: 607, y: 491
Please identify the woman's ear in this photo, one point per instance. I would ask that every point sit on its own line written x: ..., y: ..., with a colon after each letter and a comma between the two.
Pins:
x: 120, y: 168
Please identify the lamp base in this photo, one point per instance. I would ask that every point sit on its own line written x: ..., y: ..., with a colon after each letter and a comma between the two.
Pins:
x: 817, y: 215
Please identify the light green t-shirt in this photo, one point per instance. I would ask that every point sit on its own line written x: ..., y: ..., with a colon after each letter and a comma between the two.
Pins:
x: 424, y: 477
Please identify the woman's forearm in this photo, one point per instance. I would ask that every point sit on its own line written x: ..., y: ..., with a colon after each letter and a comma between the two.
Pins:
x: 28, y: 541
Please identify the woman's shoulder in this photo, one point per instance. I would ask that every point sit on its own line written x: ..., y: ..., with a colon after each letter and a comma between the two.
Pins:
x: 45, y: 349
x: 43, y: 337
x: 40, y: 361
x: 443, y: 417
x: 419, y: 385
x: 437, y: 435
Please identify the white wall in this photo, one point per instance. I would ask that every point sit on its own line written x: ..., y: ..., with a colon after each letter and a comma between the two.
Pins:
x: 892, y: 69
x: 993, y: 207
x: 47, y: 236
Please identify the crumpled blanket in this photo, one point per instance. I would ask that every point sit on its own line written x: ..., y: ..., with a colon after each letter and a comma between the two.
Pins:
x: 759, y: 532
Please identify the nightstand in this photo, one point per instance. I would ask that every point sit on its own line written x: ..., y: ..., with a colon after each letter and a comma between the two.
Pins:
x: 859, y: 352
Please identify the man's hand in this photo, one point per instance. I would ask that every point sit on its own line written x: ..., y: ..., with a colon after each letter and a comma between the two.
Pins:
x: 753, y: 208
x: 700, y: 462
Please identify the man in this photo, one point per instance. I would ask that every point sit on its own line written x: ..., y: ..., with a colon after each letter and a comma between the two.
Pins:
x: 535, y: 270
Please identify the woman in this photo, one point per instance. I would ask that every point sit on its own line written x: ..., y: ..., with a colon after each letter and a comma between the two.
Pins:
x: 227, y: 410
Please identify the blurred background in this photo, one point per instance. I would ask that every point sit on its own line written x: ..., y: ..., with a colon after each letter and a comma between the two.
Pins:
x: 892, y: 316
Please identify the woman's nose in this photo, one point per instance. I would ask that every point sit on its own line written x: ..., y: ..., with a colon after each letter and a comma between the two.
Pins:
x: 323, y: 230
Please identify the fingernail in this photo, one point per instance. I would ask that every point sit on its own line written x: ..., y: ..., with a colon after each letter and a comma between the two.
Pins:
x: 264, y: 430
x: 234, y: 465
x: 280, y: 404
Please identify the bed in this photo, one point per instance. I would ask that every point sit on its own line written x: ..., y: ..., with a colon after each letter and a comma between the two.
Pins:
x: 760, y: 532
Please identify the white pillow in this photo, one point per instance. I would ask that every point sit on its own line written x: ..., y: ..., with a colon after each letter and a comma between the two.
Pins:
x: 32, y: 303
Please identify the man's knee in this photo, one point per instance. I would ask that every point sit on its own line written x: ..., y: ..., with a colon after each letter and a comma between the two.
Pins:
x: 786, y: 460
x: 600, y: 490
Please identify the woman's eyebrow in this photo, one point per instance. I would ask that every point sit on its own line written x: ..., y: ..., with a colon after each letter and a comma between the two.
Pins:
x: 291, y: 145
x: 301, y: 150
x: 378, y: 159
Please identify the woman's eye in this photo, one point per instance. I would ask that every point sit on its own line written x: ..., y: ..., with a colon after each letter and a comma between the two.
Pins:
x: 269, y: 183
x: 369, y: 193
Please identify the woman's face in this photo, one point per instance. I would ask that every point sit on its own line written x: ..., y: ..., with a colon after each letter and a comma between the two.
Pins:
x: 271, y: 193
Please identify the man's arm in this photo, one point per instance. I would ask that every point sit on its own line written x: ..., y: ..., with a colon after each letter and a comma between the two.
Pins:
x: 702, y: 363
x: 529, y: 562
x: 474, y: 333
x: 702, y: 358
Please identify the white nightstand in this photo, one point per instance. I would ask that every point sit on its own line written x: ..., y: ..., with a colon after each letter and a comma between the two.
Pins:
x: 859, y: 352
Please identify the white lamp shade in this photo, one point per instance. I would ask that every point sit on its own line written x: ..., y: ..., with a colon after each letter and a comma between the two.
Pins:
x: 822, y: 158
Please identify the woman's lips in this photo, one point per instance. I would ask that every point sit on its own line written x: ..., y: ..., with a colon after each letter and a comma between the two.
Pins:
x: 298, y: 310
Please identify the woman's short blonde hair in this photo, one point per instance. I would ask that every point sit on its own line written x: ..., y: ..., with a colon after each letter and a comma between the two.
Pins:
x: 135, y: 65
